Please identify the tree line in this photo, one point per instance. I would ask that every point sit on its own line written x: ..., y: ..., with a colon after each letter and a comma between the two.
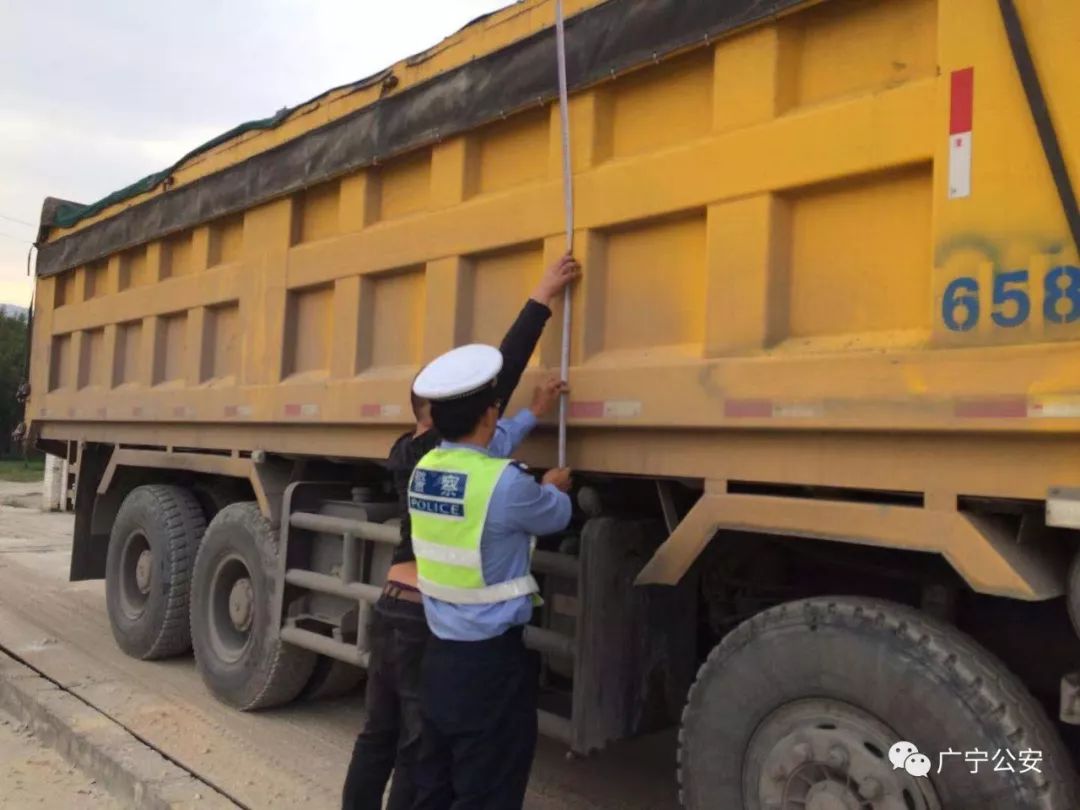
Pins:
x: 13, y: 339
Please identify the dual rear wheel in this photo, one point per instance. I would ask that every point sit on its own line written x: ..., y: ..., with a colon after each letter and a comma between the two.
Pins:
x: 174, y: 583
x: 148, y: 569
x: 238, y: 649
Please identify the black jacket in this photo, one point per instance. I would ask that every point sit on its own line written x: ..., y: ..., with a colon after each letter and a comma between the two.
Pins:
x: 517, y: 347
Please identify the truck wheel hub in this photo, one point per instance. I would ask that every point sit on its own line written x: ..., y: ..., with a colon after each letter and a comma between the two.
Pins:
x: 829, y: 755
x: 136, y: 575
x: 831, y: 795
x: 143, y: 569
x: 240, y: 602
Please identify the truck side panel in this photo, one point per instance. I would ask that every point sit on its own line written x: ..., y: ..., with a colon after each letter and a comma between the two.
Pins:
x: 773, y: 249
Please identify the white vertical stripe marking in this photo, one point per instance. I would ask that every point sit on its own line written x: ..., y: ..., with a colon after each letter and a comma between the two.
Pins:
x: 960, y: 166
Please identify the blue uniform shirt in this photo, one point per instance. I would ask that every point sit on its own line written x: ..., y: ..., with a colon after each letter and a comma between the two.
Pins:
x: 520, y: 508
x: 509, y: 433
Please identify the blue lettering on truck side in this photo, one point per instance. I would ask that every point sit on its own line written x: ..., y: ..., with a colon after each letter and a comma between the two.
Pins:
x: 1011, y: 303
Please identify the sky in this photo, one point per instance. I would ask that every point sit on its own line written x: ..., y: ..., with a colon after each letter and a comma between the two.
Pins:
x: 95, y: 95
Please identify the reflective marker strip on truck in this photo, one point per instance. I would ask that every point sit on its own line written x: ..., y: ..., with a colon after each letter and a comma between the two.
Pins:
x: 996, y: 408
x: 1019, y: 408
x: 609, y: 409
x: 307, y: 409
x: 770, y: 409
x: 1054, y: 408
x: 961, y: 115
x: 375, y: 410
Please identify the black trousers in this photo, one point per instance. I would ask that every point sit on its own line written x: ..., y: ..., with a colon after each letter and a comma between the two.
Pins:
x: 390, y: 740
x: 479, y: 707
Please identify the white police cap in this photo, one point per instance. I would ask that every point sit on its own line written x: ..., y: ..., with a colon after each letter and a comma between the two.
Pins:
x: 459, y: 373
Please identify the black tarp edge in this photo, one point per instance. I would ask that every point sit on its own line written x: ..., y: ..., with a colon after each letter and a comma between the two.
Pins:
x: 603, y: 41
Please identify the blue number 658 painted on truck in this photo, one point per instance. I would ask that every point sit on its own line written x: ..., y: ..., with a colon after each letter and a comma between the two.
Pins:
x: 961, y: 309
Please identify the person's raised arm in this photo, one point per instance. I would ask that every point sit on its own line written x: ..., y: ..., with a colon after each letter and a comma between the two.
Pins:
x: 509, y: 433
x: 520, y: 341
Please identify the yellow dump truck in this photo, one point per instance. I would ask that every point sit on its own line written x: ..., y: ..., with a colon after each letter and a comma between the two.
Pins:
x: 825, y: 374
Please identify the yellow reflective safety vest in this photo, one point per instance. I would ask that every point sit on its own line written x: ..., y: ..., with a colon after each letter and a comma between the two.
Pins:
x: 449, y: 494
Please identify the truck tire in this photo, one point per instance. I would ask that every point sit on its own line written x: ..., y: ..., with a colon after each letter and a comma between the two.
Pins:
x: 238, y: 649
x: 799, y: 706
x: 148, y: 570
x: 215, y: 495
x: 332, y: 679
x: 1072, y: 593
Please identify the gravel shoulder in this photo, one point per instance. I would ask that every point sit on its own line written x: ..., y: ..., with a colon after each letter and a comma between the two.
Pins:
x: 33, y: 775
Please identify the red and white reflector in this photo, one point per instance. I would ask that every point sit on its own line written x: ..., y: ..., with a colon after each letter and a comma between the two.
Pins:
x: 961, y: 115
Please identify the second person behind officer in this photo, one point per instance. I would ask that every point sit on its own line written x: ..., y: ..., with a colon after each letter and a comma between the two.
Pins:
x: 475, y: 518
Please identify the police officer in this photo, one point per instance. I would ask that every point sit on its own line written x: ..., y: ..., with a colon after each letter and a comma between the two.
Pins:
x: 474, y: 519
x: 390, y: 740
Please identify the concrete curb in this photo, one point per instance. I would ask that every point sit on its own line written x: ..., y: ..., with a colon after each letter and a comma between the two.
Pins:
x: 129, y: 769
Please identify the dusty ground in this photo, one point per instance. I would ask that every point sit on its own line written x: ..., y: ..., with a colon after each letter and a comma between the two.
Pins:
x: 33, y: 776
x: 295, y: 756
x: 19, y: 493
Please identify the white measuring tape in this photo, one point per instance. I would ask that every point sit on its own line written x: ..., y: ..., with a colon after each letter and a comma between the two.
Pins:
x: 568, y: 202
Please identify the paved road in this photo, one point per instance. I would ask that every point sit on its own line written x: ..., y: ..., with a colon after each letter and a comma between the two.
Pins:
x: 33, y: 777
x: 284, y: 758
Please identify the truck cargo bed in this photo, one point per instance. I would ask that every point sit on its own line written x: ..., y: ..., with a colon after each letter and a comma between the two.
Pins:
x: 797, y: 268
